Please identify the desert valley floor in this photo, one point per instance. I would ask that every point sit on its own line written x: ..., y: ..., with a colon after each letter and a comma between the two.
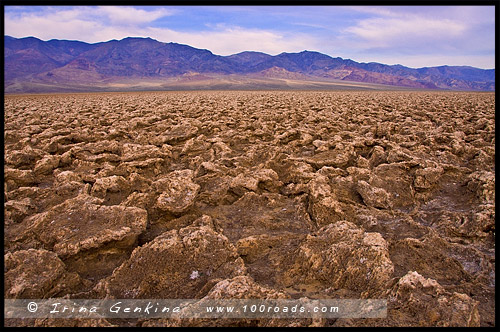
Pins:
x: 254, y: 194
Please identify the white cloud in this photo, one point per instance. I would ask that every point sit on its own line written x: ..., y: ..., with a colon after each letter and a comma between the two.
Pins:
x: 131, y: 16
x: 421, y: 36
x: 83, y: 23
x: 389, y: 32
x: 63, y: 24
x: 230, y: 40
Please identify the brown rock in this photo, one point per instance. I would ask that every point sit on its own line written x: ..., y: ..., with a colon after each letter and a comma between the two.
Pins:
x: 341, y: 255
x: 264, y: 259
x: 426, y: 178
x: 253, y: 180
x: 222, y: 150
x: 321, y: 145
x: 326, y: 210
x: 214, y: 189
x: 378, y: 156
x: 138, y: 182
x: 396, y: 180
x: 67, y: 176
x: 428, y: 256
x: 323, y: 205
x: 208, y: 167
x: 475, y: 225
x: 112, y: 189
x: 484, y: 219
x: 240, y: 287
x: 23, y: 158
x: 362, y: 162
x: 150, y: 168
x: 344, y: 187
x: 178, y: 191
x: 289, y: 170
x: 134, y: 152
x: 109, y: 184
x: 140, y: 200
x: 482, y: 184
x: 268, y: 213
x: 198, y: 146
x: 80, y: 224
x: 176, y: 264
x: 424, y: 302
x: 179, y: 133
x: 47, y: 164
x: 19, y: 178
x: 397, y: 155
x: 16, y: 211
x: 294, y: 189
x: 33, y: 274
x: 373, y: 196
x: 341, y: 157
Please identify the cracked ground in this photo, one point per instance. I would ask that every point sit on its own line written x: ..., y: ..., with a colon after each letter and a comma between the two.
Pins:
x: 254, y: 194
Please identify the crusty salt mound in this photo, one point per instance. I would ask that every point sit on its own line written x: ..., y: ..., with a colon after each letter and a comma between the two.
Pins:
x: 219, y: 195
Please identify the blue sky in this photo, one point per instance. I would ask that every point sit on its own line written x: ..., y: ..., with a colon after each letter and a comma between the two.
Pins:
x: 414, y: 36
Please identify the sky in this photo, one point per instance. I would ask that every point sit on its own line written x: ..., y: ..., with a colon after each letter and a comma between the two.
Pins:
x: 413, y: 36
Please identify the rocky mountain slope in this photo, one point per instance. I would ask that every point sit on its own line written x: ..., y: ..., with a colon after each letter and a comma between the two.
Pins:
x: 54, y: 64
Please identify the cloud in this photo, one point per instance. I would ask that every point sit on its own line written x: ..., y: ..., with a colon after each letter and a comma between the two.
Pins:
x: 226, y: 40
x: 49, y: 24
x: 391, y: 32
x: 131, y: 16
x: 82, y: 23
x: 110, y: 22
x: 421, y: 36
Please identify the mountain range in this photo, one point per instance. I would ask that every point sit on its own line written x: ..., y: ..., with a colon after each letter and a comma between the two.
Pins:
x: 33, y: 65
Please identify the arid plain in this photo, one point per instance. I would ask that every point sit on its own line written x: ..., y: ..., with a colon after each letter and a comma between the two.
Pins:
x: 254, y: 194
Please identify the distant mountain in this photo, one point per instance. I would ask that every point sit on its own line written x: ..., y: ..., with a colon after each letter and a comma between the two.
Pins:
x: 33, y: 65
x: 249, y: 59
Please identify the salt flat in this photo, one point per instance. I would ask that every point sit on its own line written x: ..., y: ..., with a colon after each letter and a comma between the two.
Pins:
x: 318, y: 194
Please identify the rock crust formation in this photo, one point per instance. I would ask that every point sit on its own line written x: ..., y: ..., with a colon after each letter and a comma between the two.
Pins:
x: 254, y: 194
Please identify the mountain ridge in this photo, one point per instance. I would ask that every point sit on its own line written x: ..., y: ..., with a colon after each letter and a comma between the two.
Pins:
x: 59, y: 63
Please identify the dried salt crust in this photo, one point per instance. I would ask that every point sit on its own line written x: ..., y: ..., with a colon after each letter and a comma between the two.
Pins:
x: 254, y: 194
